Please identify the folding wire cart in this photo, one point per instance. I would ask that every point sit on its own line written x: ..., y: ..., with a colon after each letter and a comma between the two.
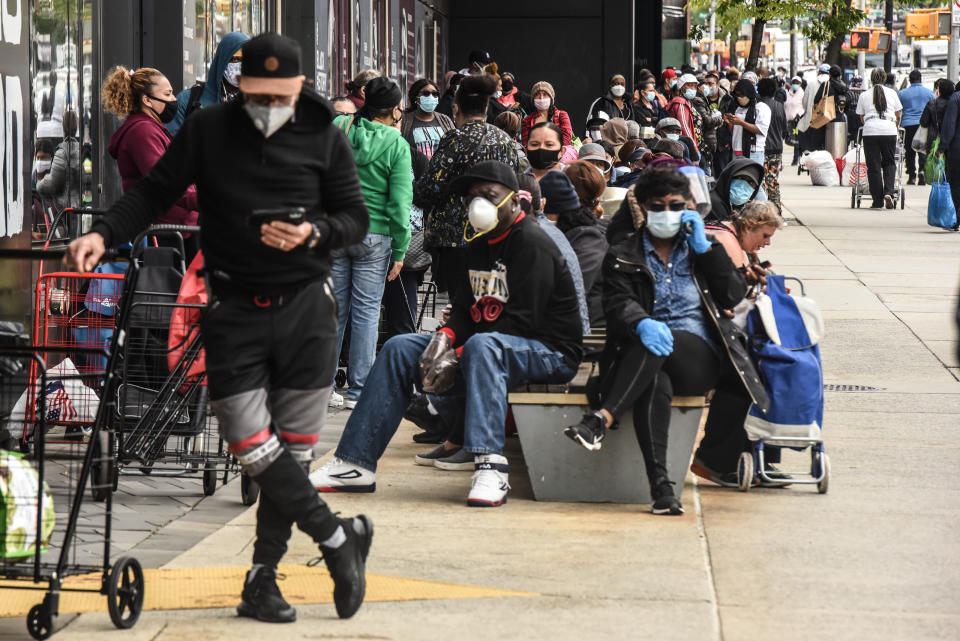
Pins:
x: 899, y: 155
x: 59, y: 534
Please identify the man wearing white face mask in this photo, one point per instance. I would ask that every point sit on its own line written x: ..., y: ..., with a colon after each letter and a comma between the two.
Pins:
x: 222, y: 80
x: 515, y: 320
x: 271, y: 328
x: 613, y: 104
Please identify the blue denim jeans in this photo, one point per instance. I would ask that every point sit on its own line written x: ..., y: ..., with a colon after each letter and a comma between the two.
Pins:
x: 490, y: 365
x: 359, y: 275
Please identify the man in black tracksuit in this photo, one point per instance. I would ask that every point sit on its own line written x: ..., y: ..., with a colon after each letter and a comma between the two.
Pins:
x: 270, y: 330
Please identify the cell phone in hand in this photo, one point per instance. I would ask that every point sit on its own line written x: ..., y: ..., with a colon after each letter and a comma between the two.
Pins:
x: 292, y: 215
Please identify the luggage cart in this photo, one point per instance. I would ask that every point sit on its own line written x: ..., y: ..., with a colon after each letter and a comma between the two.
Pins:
x: 163, y: 422
x: 63, y: 535
x: 899, y: 155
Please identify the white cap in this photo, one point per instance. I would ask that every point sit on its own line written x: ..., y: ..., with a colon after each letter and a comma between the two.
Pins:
x: 685, y: 78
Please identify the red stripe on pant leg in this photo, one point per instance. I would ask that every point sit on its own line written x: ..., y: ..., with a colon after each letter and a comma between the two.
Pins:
x: 250, y: 441
x: 293, y: 437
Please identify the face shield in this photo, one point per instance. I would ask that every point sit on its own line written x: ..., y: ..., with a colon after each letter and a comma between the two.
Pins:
x: 698, y: 188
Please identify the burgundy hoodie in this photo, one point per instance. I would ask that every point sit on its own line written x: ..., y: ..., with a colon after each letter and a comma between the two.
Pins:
x: 137, y: 145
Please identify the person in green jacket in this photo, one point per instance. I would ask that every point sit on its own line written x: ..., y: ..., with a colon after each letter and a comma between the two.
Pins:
x: 361, y: 271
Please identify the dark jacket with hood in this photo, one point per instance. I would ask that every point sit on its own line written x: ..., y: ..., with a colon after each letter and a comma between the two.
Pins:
x: 932, y: 118
x: 709, y: 123
x: 720, y: 207
x: 213, y: 88
x: 608, y: 105
x: 137, y: 146
x: 306, y: 163
x: 629, y: 289
x: 582, y: 229
x: 648, y: 115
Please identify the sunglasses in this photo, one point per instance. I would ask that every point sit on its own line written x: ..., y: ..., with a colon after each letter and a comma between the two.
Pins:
x: 679, y: 206
x: 435, y: 94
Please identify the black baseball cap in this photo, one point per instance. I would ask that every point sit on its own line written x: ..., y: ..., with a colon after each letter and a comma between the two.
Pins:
x: 271, y: 65
x: 487, y: 171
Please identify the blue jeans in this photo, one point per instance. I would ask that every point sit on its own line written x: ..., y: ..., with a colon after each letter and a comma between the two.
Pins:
x: 490, y: 365
x: 359, y: 274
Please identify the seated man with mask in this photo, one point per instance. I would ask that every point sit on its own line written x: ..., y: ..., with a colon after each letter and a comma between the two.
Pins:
x: 515, y: 320
x: 739, y: 183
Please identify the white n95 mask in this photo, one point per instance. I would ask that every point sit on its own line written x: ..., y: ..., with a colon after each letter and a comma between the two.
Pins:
x: 482, y: 216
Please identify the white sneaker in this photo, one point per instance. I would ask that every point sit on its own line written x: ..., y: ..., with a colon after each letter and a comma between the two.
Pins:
x: 349, y: 403
x: 340, y: 476
x: 490, y: 484
x: 336, y: 400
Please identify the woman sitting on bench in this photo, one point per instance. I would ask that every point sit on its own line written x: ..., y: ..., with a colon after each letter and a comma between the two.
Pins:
x: 663, y: 288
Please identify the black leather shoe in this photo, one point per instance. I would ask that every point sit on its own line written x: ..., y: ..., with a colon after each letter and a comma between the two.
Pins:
x: 262, y: 600
x: 347, y: 565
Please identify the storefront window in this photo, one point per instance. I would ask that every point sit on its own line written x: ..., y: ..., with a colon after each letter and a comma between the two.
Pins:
x: 206, y: 22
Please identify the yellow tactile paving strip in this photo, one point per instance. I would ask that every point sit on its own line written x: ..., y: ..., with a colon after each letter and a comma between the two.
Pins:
x: 195, y: 588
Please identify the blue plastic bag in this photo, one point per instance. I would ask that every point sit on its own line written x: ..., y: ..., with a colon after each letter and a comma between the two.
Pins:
x: 940, y: 210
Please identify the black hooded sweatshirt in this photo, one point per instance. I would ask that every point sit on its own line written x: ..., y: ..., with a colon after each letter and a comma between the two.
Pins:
x: 306, y: 163
x: 720, y: 208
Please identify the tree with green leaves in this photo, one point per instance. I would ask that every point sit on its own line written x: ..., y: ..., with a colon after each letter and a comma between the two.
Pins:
x: 823, y: 21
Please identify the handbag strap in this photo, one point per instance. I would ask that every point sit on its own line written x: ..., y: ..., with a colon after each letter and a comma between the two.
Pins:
x: 349, y: 120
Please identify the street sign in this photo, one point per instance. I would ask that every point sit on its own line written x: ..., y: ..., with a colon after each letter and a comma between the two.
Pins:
x: 859, y: 39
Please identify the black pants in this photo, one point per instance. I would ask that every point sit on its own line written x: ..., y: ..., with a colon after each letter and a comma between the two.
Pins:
x: 400, y: 303
x: 881, y: 168
x: 914, y: 160
x: 270, y: 361
x: 953, y: 177
x: 647, y: 383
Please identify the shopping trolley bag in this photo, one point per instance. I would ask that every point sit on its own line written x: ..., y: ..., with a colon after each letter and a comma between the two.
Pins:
x: 940, y: 210
x: 784, y: 336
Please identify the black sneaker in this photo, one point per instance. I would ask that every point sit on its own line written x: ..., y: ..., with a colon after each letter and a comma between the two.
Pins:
x: 347, y: 565
x: 911, y: 181
x: 664, y: 500
x: 261, y: 598
x: 588, y: 432
x: 921, y: 179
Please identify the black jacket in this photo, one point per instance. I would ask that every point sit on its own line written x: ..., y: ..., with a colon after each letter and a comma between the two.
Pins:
x: 932, y: 118
x: 588, y: 242
x: 524, y: 275
x: 710, y: 124
x: 720, y: 207
x: 778, y: 126
x: 648, y: 116
x: 445, y: 105
x: 606, y: 104
x: 307, y: 163
x: 629, y: 288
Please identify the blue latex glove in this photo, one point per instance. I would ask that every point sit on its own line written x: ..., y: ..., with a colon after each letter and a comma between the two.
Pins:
x: 697, y: 236
x: 655, y: 336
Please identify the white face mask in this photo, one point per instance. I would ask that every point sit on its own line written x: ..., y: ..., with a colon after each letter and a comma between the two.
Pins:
x: 497, y: 94
x: 482, y: 216
x: 43, y: 166
x: 542, y: 104
x: 664, y: 224
x: 232, y: 73
x: 596, y: 135
x: 268, y: 119
x: 618, y: 90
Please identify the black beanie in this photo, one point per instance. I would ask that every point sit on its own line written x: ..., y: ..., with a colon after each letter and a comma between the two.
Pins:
x: 382, y: 93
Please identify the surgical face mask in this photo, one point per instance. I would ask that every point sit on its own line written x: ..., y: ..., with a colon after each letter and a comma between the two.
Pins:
x: 482, y: 216
x: 651, y: 96
x: 673, y: 136
x: 740, y: 191
x: 664, y: 224
x: 618, y: 90
x: 796, y: 87
x: 543, y: 158
x: 42, y: 166
x: 708, y: 90
x: 743, y: 101
x: 595, y: 134
x: 232, y: 73
x: 542, y: 104
x: 268, y: 119
x: 673, y: 83
x: 497, y: 94
x: 690, y: 94
x: 429, y: 103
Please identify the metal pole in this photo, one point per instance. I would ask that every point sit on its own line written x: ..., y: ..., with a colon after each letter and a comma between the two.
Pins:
x: 713, y: 32
x: 793, y: 48
x: 888, y: 24
x: 952, y: 48
x: 862, y: 56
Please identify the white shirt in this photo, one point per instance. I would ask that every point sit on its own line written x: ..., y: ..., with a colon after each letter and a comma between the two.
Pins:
x: 763, y: 123
x: 873, y: 123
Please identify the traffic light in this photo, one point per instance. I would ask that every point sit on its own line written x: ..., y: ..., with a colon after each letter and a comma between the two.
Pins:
x: 860, y: 39
x: 880, y: 41
x: 928, y: 23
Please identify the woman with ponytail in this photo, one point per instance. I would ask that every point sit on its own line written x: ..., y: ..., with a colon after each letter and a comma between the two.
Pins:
x: 880, y: 112
x: 144, y: 101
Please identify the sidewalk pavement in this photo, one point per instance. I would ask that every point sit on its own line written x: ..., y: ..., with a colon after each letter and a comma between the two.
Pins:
x: 876, y: 558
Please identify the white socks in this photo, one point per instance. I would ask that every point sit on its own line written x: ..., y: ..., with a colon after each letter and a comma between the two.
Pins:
x: 337, y: 539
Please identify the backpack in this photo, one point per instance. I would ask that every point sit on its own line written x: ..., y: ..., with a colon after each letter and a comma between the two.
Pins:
x: 784, y: 334
x: 193, y: 102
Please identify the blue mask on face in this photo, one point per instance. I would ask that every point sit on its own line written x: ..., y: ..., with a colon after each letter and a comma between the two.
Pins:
x: 673, y: 136
x: 740, y: 191
x: 690, y: 94
x: 651, y: 96
x: 429, y: 103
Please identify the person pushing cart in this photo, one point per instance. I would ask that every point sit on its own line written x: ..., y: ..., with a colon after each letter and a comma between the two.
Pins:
x: 278, y: 190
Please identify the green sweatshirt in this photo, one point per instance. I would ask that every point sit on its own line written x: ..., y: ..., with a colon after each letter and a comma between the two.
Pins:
x: 383, y: 166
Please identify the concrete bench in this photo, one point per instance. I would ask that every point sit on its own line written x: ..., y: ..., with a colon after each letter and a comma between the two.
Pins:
x: 561, y: 470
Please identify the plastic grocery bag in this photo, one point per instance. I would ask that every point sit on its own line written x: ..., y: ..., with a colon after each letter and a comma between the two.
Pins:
x: 822, y: 168
x: 67, y: 400
x: 19, y: 502
x: 853, y: 172
x: 940, y: 210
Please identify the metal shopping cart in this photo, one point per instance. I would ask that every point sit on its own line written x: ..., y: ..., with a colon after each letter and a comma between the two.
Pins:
x: 52, y: 539
x: 857, y: 189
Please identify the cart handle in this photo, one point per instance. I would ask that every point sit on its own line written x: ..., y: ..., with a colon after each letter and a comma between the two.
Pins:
x: 56, y: 254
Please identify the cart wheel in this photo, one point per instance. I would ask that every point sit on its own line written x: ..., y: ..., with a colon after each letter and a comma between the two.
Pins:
x: 853, y: 197
x: 125, y: 592
x: 39, y: 622
x: 903, y: 199
x: 100, y: 477
x: 745, y: 471
x: 249, y: 490
x: 340, y: 379
x: 824, y: 483
x: 209, y: 478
